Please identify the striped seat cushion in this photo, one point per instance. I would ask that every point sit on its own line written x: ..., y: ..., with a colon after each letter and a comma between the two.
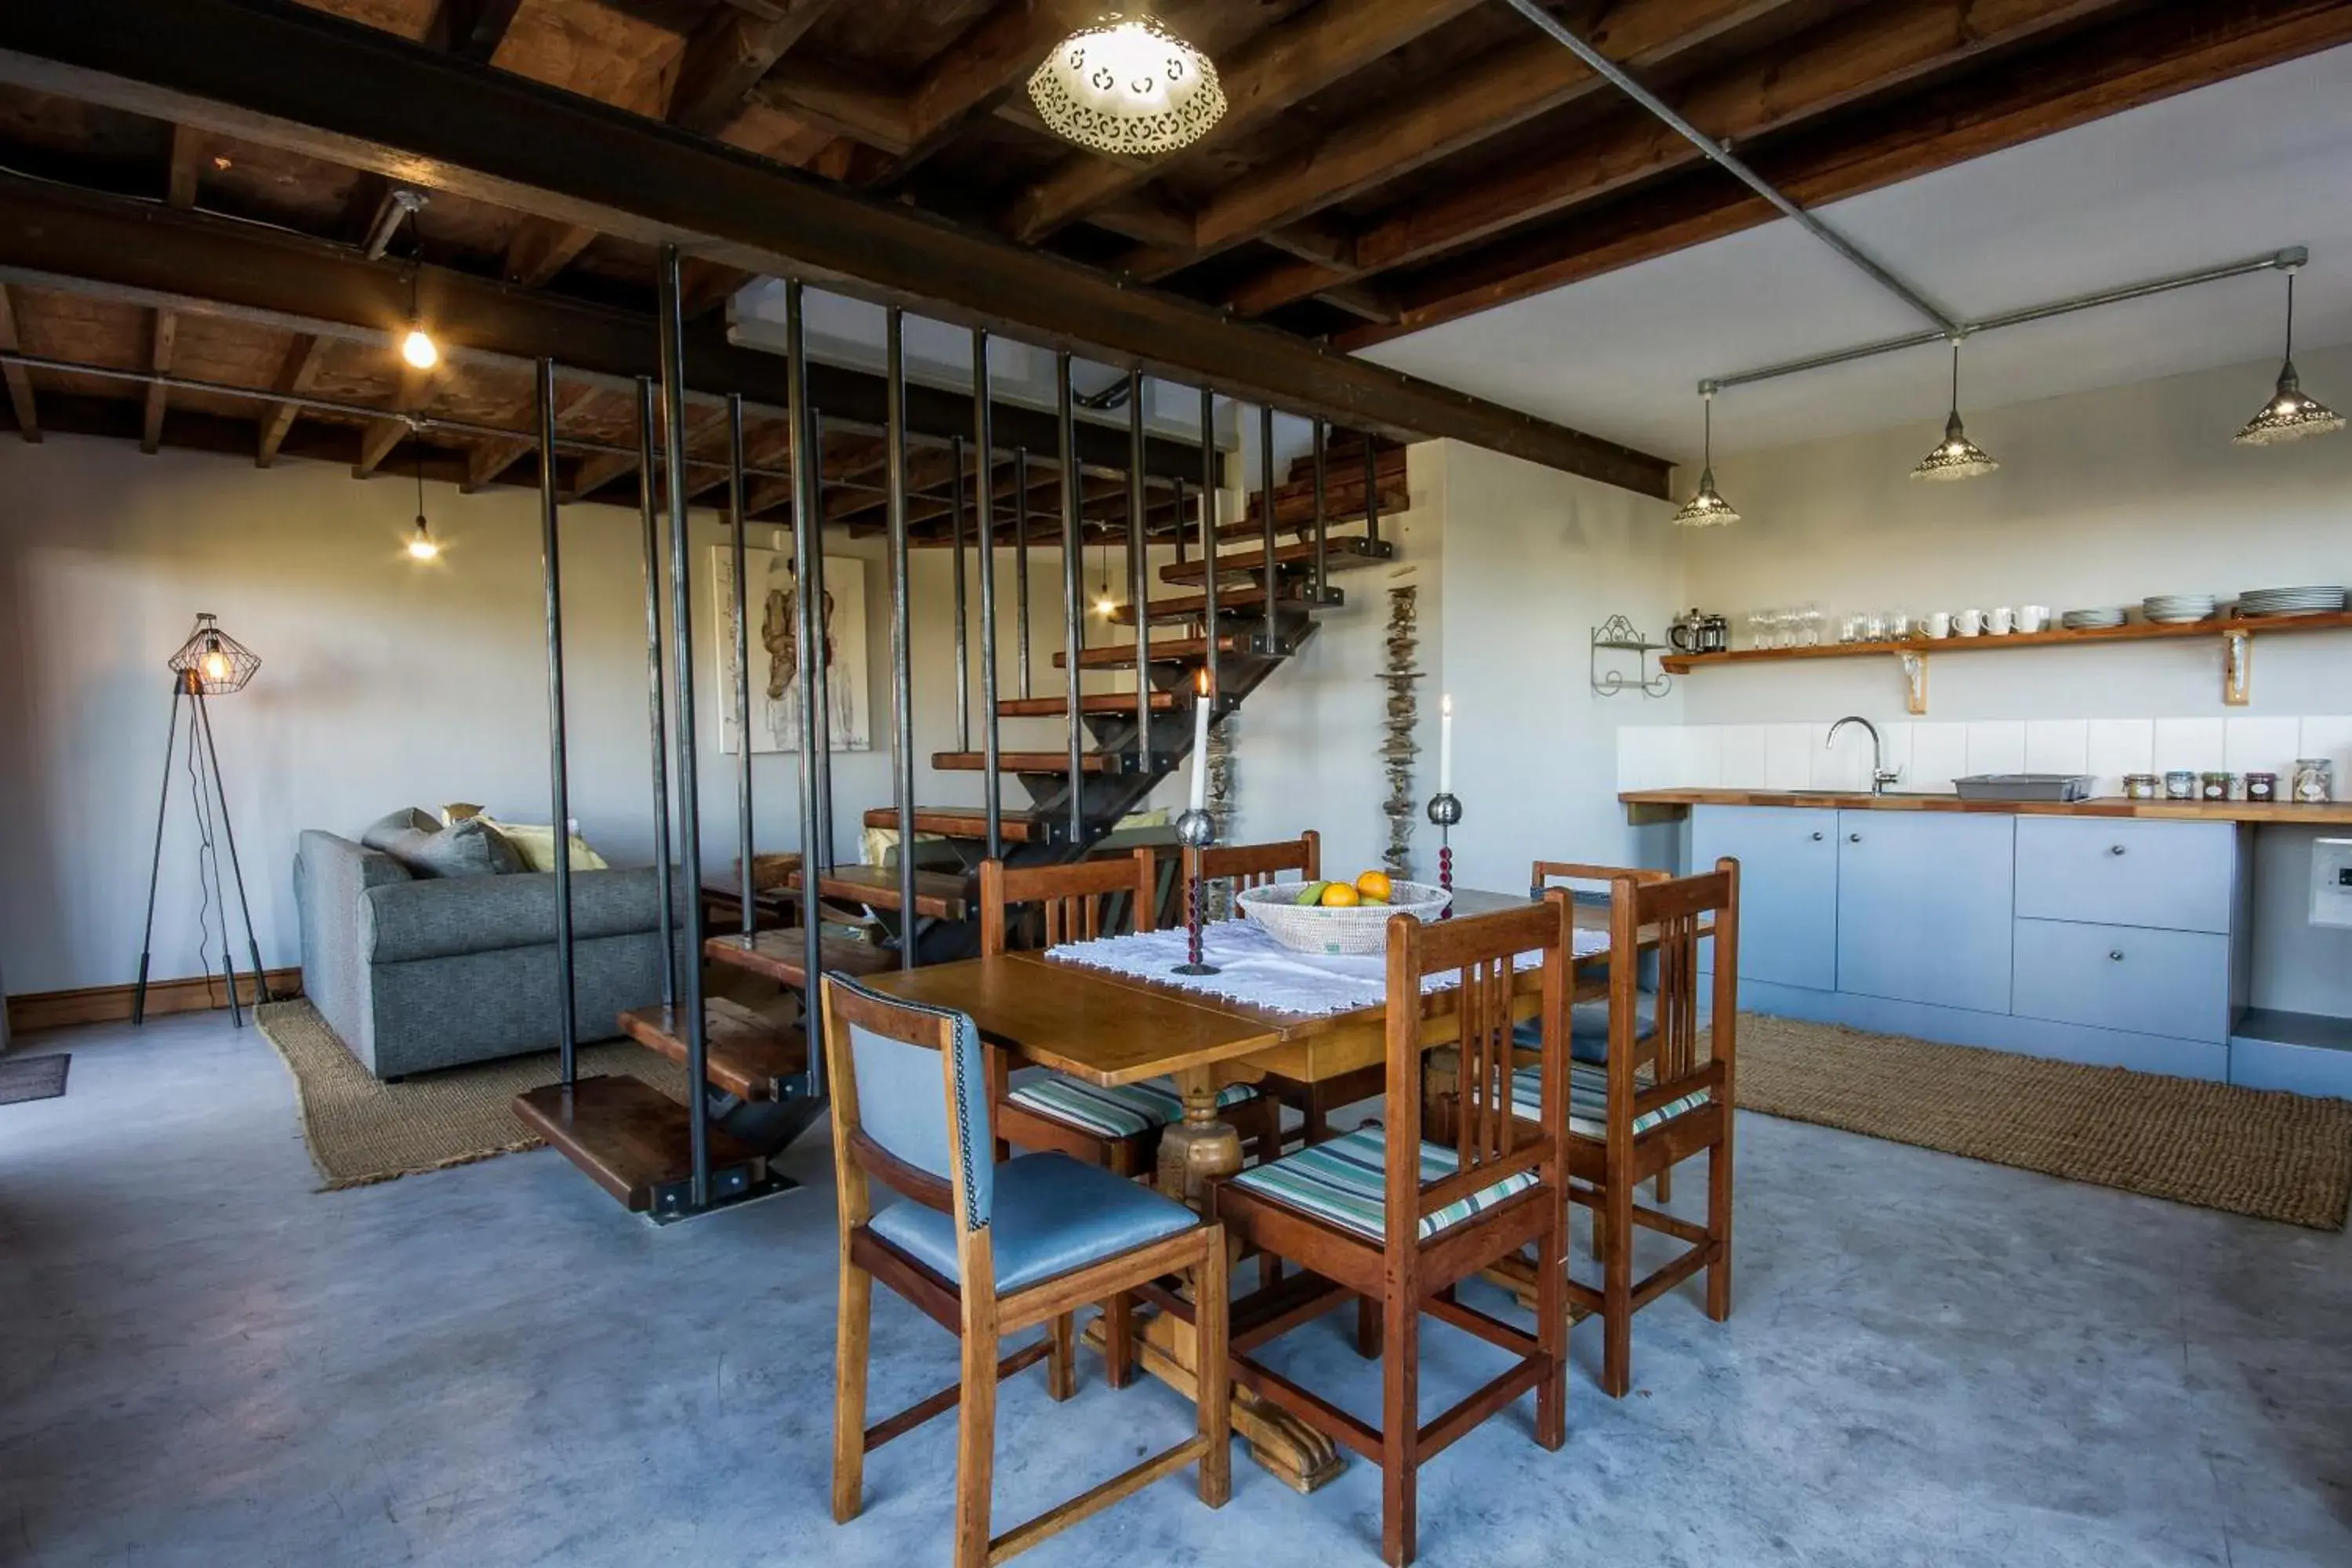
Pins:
x: 1113, y: 1112
x: 1588, y: 1102
x: 1345, y: 1182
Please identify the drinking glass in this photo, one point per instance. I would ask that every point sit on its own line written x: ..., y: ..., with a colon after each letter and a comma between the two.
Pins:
x: 1810, y: 624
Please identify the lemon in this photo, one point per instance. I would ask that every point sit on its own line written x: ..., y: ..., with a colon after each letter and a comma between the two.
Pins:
x: 1339, y: 896
x: 1374, y: 887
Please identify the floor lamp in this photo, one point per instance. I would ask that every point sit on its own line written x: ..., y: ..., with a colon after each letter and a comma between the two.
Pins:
x: 211, y: 663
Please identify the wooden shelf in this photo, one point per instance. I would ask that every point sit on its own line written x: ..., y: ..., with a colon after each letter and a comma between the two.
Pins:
x: 2133, y: 631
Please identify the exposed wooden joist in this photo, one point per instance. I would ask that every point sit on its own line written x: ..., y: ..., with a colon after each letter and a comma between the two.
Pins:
x: 162, y: 334
x: 85, y: 242
x: 378, y: 439
x: 993, y: 55
x: 327, y: 89
x: 1289, y: 61
x: 296, y: 373
x: 726, y: 57
x: 20, y: 384
x: 541, y: 248
x: 1871, y: 50
x: 471, y: 29
x: 828, y: 100
x: 187, y: 167
x: 2140, y: 58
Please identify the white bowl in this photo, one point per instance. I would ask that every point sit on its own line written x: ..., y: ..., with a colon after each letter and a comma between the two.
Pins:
x: 1356, y: 930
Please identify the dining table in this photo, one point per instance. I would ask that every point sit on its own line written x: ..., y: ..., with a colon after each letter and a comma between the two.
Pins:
x: 1062, y: 1010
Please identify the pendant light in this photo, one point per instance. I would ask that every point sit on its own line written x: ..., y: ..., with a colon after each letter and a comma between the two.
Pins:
x: 420, y: 543
x: 417, y: 346
x: 1104, y: 603
x: 1707, y: 509
x: 1126, y: 85
x: 2289, y: 415
x: 1955, y: 457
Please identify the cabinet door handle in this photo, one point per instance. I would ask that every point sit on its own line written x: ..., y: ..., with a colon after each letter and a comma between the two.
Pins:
x: 1853, y: 838
x: 1817, y: 838
x: 2115, y: 955
x: 2115, y: 849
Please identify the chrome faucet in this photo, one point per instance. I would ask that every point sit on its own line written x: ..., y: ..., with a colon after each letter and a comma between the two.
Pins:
x: 1880, y: 775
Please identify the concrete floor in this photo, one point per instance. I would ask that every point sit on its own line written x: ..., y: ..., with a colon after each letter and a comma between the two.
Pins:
x: 203, y: 1362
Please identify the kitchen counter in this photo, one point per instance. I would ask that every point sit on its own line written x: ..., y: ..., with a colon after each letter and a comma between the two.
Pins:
x: 1668, y: 805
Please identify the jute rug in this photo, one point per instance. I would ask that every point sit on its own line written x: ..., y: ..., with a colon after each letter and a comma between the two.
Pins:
x: 2243, y: 1151
x: 24, y: 1079
x: 361, y: 1131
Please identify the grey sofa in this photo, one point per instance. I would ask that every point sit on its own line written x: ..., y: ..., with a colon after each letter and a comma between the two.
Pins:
x: 416, y: 972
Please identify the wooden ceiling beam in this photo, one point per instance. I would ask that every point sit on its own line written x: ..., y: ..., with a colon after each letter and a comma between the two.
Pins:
x: 1874, y: 50
x: 2140, y: 58
x: 541, y: 248
x: 729, y: 54
x: 293, y: 79
x: 830, y: 101
x: 298, y: 372
x: 1501, y: 88
x: 187, y: 167
x: 471, y: 29
x: 378, y: 439
x: 1292, y: 60
x: 990, y: 59
x: 162, y: 334
x: 20, y: 382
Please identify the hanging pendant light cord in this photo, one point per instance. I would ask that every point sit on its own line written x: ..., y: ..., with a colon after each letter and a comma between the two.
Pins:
x: 1706, y: 444
x: 1956, y: 375
x: 2290, y: 315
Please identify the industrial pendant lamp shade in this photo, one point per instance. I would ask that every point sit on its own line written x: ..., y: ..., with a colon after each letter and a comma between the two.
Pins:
x: 2290, y: 414
x: 212, y: 661
x: 1127, y: 85
x: 1955, y: 457
x: 1707, y: 509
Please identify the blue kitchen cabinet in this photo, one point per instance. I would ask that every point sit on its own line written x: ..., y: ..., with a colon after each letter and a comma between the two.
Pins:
x: 1788, y: 888
x: 1926, y: 907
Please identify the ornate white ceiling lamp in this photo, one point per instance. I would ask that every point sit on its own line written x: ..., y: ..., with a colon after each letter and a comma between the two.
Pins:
x: 1126, y: 84
x: 2290, y: 414
x: 1955, y: 457
x: 1707, y: 509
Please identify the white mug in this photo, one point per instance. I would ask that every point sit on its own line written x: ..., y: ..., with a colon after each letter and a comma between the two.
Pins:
x: 1968, y: 623
x: 1936, y: 624
x: 2034, y: 618
x: 2003, y: 621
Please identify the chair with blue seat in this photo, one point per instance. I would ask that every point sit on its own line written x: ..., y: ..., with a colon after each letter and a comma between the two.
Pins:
x: 987, y: 1251
x: 1390, y: 1218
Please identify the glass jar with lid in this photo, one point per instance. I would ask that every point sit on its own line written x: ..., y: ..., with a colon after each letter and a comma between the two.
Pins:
x: 2314, y: 781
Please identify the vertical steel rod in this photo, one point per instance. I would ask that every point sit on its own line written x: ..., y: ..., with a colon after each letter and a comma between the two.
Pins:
x: 1138, y: 583
x: 228, y: 841
x: 962, y: 615
x: 657, y: 707
x: 181, y: 685
x: 1371, y: 490
x: 739, y: 553
x: 689, y: 767
x: 1265, y: 524
x: 983, y: 440
x: 821, y: 595
x: 1072, y: 588
x: 1209, y: 480
x: 902, y: 689
x: 807, y: 632
x: 1020, y: 559
x: 1322, y: 523
x: 551, y: 557
x: 1179, y: 521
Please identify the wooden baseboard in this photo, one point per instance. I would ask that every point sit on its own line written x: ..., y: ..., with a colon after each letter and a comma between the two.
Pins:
x: 111, y: 1003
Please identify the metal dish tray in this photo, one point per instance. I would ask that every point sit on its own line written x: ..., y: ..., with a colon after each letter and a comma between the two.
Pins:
x: 2025, y: 786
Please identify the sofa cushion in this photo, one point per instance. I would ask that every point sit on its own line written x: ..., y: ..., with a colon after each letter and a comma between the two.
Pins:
x: 443, y: 915
x: 425, y: 848
x: 536, y: 846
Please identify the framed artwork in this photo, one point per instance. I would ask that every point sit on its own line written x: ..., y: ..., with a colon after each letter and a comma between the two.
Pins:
x: 775, y: 675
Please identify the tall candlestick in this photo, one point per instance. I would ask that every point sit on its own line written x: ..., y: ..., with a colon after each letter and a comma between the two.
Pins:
x: 1445, y: 746
x: 1201, y: 741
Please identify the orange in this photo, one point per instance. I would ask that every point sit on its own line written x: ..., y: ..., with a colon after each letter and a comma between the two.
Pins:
x: 1339, y: 896
x: 1375, y: 884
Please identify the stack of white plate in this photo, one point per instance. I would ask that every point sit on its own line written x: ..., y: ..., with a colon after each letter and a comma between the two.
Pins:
x: 2291, y: 602
x: 2179, y: 609
x: 2091, y: 620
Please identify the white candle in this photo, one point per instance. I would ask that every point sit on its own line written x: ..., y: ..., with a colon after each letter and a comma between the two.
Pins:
x: 1200, y: 742
x: 1445, y: 746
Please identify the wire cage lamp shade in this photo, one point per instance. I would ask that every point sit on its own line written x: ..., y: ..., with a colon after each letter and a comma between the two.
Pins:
x: 2291, y: 414
x: 1707, y: 509
x: 213, y: 662
x: 1127, y: 85
x: 1955, y: 457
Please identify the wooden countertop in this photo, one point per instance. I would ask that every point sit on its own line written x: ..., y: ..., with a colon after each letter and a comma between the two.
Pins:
x: 1656, y: 805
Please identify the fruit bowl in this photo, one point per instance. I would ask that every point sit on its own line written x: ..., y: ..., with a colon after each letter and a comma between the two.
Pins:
x: 1351, y: 931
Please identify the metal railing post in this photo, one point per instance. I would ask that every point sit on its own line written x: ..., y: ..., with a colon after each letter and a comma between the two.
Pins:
x: 1138, y: 583
x: 657, y: 707
x: 806, y: 544
x: 983, y: 440
x: 1266, y: 523
x: 1209, y: 480
x: 550, y: 556
x: 902, y: 691
x: 962, y: 613
x: 738, y: 548
x: 1072, y: 588
x: 1020, y: 559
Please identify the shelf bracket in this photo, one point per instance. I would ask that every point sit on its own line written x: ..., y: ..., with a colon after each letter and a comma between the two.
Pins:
x: 1915, y: 681
x: 1617, y: 634
x: 2237, y: 668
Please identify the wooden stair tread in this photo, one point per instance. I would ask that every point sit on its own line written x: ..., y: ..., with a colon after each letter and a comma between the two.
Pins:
x: 1192, y: 607
x: 965, y: 822
x: 1112, y: 702
x: 743, y: 1053
x: 629, y: 1137
x: 938, y: 894
x: 1166, y: 650
x: 1028, y: 762
x: 783, y: 955
x: 1340, y: 555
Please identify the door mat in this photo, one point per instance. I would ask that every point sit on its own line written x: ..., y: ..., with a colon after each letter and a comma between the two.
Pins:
x: 33, y: 1078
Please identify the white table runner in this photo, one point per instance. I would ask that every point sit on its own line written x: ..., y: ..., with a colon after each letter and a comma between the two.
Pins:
x: 1255, y: 968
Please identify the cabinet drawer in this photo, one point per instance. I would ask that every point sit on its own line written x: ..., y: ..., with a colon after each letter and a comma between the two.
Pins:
x: 2132, y: 978
x: 2178, y: 875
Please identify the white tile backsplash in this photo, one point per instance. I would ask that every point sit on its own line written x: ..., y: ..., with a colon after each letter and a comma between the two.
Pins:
x: 2262, y: 745
x: 2058, y: 746
x: 1997, y: 746
x: 1939, y: 754
x: 2330, y: 738
x: 1844, y: 765
x: 1789, y: 754
x: 2198, y: 745
x: 1649, y: 756
x: 1743, y: 756
x: 2117, y: 747
x: 1702, y: 756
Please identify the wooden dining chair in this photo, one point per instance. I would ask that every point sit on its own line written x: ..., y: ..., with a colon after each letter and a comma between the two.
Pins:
x: 1392, y: 1219
x: 987, y: 1251
x: 1649, y: 1108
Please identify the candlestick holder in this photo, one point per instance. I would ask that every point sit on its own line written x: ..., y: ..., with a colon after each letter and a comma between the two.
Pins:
x: 1446, y: 810
x: 1196, y: 830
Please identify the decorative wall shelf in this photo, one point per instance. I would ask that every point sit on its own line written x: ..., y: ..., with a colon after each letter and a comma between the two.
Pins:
x: 2236, y: 634
x: 1617, y: 634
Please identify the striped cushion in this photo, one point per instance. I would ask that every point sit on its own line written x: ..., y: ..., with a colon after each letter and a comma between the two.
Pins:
x: 1588, y: 1102
x: 1113, y: 1112
x: 1345, y: 1182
